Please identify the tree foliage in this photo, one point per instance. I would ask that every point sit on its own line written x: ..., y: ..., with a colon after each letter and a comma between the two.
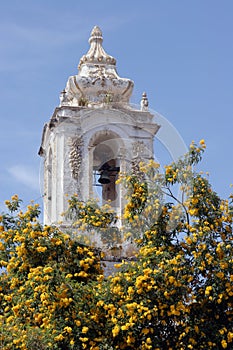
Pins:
x: 177, y: 295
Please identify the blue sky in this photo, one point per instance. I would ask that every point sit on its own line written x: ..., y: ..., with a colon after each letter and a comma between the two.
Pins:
x: 180, y: 52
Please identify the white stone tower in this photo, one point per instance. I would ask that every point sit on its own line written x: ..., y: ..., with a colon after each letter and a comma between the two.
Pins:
x: 93, y: 131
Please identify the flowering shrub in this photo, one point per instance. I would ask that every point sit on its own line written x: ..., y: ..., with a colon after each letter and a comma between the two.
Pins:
x: 45, y: 275
x: 90, y: 218
x: 178, y: 295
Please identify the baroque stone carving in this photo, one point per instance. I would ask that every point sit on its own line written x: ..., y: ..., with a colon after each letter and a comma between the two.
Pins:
x: 75, y: 155
x: 97, y: 78
x: 138, y: 148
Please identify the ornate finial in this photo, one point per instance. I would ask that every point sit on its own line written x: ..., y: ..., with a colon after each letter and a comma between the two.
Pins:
x: 96, y: 53
x: 96, y: 34
x: 144, y: 102
x: 63, y: 97
x: 97, y: 82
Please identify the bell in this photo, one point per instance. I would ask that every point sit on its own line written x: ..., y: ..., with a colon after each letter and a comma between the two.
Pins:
x: 104, y: 178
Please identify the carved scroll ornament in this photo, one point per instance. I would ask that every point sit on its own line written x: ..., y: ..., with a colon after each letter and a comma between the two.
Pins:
x: 75, y: 156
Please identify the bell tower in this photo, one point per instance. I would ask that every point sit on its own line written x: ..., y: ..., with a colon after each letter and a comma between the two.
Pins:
x: 93, y: 134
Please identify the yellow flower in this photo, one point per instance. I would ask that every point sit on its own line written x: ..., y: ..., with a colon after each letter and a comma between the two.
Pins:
x: 9, y: 319
x: 124, y: 327
x: 41, y: 249
x: 82, y: 274
x: 115, y: 330
x: 202, y: 143
x: 145, y: 331
x: 59, y: 337
x: 230, y: 336
x: 208, y: 290
x: 193, y: 211
x: 47, y: 269
x: 84, y: 339
x: 58, y: 242
x: 224, y: 344
x: 220, y: 274
x: 85, y: 329
x: 15, y: 197
x: 130, y: 290
x: 188, y: 240
x: 78, y: 323
x: 68, y: 329
x: 222, y: 331
x: 171, y: 279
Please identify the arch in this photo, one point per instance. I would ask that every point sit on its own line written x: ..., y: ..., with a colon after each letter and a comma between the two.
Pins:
x: 118, y: 123
x: 105, y: 147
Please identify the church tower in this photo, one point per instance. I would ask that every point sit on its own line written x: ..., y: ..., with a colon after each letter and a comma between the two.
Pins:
x: 93, y: 135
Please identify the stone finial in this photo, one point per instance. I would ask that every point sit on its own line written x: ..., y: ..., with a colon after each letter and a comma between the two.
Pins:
x: 96, y: 53
x: 96, y: 34
x: 144, y: 102
x: 63, y: 97
x: 97, y: 82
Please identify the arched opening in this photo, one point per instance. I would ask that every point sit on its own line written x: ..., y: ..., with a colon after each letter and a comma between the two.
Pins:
x: 108, y: 176
x: 105, y: 148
